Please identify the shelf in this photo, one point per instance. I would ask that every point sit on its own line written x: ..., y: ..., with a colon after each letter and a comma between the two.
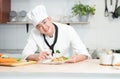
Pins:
x: 19, y: 22
x: 60, y: 22
x: 27, y: 23
x: 68, y: 23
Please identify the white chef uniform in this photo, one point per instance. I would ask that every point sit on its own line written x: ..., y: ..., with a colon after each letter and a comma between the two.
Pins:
x: 68, y: 41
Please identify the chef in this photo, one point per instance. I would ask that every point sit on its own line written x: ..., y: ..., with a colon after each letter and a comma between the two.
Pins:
x: 47, y: 36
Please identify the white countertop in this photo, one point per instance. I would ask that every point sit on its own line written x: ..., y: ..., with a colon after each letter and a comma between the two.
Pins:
x: 87, y: 67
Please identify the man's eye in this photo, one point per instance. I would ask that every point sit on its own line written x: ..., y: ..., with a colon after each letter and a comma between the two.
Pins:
x: 44, y: 22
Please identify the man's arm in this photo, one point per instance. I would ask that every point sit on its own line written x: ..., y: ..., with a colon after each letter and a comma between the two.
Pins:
x: 77, y: 58
x: 38, y: 57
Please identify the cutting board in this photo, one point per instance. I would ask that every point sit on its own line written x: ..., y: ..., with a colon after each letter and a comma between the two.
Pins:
x: 18, y: 64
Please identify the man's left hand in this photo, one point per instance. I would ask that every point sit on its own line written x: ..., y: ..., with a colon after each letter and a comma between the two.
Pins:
x: 76, y: 58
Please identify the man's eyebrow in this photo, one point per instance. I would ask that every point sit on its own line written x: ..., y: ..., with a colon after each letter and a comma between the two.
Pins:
x: 43, y: 20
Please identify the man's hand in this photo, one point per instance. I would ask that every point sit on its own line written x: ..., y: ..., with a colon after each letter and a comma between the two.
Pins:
x: 76, y: 58
x: 43, y: 55
x: 38, y: 57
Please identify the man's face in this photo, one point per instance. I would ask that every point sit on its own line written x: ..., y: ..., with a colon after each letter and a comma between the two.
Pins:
x: 46, y: 26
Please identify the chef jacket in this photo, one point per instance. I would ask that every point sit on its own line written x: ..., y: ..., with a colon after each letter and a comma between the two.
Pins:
x: 68, y: 42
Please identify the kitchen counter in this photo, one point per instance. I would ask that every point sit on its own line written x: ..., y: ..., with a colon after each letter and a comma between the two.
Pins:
x: 86, y: 69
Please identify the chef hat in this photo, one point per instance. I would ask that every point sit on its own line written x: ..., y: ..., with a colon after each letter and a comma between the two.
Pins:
x: 37, y: 14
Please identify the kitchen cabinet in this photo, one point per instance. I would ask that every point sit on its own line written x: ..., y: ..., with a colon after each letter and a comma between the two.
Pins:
x: 5, y: 7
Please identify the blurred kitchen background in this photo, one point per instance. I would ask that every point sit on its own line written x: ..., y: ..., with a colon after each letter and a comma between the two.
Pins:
x: 99, y: 32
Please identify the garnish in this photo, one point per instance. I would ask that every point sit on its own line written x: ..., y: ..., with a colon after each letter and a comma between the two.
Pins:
x: 65, y: 58
x: 18, y: 59
x: 4, y: 56
x: 57, y: 51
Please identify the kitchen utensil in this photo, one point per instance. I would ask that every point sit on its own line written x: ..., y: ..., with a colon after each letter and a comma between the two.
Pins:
x: 13, y: 13
x: 116, y: 59
x: 106, y: 59
x: 106, y: 13
x: 13, y: 16
x: 111, y: 8
x: 22, y: 13
x: 114, y: 13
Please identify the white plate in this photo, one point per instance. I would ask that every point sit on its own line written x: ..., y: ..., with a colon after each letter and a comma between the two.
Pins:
x: 48, y: 61
x: 116, y: 67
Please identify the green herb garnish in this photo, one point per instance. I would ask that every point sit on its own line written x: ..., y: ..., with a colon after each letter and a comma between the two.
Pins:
x: 4, y: 56
x: 57, y: 51
x: 19, y: 59
x: 66, y: 58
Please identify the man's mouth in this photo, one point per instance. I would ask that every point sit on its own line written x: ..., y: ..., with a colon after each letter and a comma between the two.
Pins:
x: 46, y: 30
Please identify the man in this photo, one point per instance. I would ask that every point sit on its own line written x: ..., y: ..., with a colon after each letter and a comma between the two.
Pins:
x: 48, y: 36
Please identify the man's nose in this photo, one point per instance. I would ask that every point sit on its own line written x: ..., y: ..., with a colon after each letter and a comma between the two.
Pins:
x: 44, y: 26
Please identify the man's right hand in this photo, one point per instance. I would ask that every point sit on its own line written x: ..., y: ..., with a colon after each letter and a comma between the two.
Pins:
x: 38, y: 57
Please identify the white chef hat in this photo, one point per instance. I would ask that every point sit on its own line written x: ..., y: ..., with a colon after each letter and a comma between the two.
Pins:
x: 37, y: 14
